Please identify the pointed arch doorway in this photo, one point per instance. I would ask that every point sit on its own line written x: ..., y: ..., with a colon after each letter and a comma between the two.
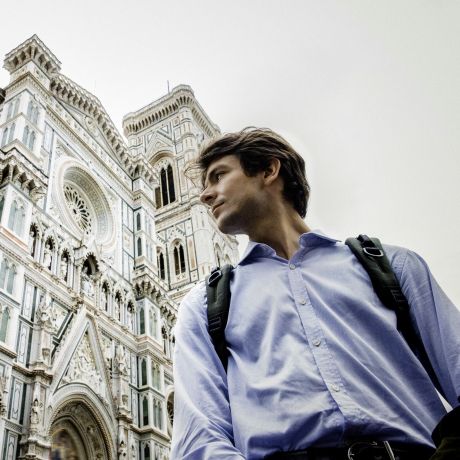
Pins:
x: 76, y: 434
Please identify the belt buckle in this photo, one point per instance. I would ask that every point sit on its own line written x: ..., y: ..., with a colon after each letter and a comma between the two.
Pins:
x: 358, y: 447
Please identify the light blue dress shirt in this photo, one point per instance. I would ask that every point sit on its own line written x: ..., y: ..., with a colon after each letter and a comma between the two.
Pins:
x: 315, y: 358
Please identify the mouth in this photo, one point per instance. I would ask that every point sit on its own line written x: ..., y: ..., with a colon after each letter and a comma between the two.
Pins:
x: 213, y: 209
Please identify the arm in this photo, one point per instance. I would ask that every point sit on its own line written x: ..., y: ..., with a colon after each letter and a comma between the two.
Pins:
x: 437, y: 320
x: 202, y: 419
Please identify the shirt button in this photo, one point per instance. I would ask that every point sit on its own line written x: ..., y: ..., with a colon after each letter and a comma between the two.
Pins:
x: 292, y: 266
x: 302, y: 301
x: 335, y: 388
x: 317, y: 342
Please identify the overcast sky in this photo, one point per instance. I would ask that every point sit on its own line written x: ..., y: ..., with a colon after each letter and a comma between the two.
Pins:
x: 368, y: 92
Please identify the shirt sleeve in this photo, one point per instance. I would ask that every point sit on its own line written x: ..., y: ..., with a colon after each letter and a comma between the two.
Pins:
x: 202, y: 419
x: 437, y: 320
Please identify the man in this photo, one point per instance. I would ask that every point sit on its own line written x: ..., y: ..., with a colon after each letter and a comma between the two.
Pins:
x: 316, y: 364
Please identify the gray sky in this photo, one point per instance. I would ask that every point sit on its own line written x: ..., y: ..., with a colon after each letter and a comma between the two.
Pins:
x: 368, y: 92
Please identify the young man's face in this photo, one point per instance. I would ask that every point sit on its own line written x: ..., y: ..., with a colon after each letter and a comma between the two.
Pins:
x: 236, y: 200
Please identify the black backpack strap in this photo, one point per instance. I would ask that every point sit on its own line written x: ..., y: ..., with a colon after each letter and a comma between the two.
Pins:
x: 370, y: 253
x: 218, y: 294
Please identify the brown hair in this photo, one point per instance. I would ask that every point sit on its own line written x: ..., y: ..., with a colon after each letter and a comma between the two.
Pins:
x: 255, y: 147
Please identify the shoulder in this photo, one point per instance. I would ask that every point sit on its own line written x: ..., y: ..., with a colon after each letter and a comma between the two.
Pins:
x: 193, y: 307
x: 410, y: 268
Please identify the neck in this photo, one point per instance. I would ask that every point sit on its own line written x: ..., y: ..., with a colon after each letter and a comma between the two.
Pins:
x: 281, y: 231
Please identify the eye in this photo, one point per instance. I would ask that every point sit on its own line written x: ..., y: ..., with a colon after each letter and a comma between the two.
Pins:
x: 219, y: 176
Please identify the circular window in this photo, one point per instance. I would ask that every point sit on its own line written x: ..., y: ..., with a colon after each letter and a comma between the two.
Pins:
x: 83, y: 204
x: 78, y: 208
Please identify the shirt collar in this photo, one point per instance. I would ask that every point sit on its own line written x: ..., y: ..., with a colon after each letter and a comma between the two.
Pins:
x: 311, y: 239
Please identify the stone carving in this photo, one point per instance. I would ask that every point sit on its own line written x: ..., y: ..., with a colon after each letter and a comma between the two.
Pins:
x: 64, y: 267
x: 46, y: 318
x: 133, y: 451
x: 86, y: 282
x: 104, y: 298
x: 82, y: 368
x: 122, y: 451
x: 4, y: 379
x: 121, y: 365
x: 121, y: 361
x: 47, y: 258
x: 35, y: 413
x: 32, y: 241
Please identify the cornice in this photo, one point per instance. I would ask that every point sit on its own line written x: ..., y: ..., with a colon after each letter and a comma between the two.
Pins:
x: 33, y: 49
x: 70, y: 92
x: 15, y: 167
x: 166, y: 106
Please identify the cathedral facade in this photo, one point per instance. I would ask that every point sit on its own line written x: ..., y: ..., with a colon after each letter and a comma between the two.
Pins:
x: 101, y: 235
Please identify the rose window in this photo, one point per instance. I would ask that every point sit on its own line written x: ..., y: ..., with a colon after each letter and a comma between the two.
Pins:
x: 78, y: 208
x: 82, y: 203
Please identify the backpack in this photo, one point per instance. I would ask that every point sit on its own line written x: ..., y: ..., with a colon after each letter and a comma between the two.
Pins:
x: 370, y: 253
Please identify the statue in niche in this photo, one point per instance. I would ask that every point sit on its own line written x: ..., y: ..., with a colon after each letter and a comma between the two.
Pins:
x: 64, y: 267
x: 47, y: 259
x: 121, y: 365
x: 104, y: 300
x: 86, y: 282
x: 121, y: 361
x: 32, y: 242
x: 46, y: 318
x: 35, y: 412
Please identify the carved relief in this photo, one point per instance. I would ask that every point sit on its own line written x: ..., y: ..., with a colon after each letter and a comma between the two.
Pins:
x: 82, y: 368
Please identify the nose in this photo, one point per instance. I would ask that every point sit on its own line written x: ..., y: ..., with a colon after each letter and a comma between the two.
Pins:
x: 207, y: 196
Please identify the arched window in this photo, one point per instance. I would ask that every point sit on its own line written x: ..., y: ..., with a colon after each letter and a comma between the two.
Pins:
x: 3, y: 270
x: 156, y: 376
x: 19, y: 221
x: 147, y: 451
x: 11, y: 277
x: 28, y: 138
x: 4, y: 318
x: 166, y: 193
x: 155, y: 324
x: 10, y: 111
x: 16, y: 106
x: 141, y: 321
x: 31, y: 140
x: 161, y: 265
x: 4, y: 137
x: 12, y: 128
x: 179, y: 259
x: 145, y: 411
x: 25, y: 135
x: 138, y: 221
x: 12, y: 216
x: 16, y: 218
x: 34, y: 117
x: 158, y: 414
x: 151, y: 330
x: 171, y: 190
x: 143, y: 372
x: 139, y: 247
x: 30, y: 108
x: 7, y: 275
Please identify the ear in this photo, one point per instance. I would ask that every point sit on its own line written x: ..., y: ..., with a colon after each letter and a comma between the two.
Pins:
x: 272, y: 171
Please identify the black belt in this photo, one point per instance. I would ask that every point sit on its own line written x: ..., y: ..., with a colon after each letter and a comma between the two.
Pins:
x: 360, y: 450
